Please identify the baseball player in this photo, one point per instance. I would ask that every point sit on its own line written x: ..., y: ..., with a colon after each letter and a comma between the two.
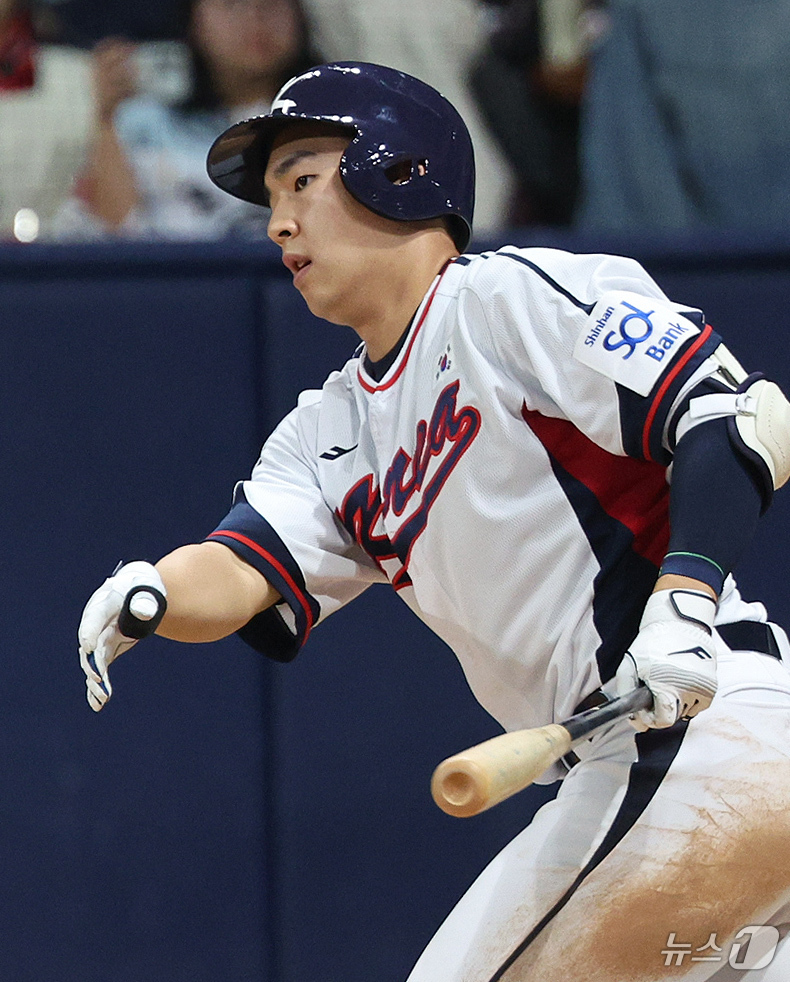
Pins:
x: 557, y: 468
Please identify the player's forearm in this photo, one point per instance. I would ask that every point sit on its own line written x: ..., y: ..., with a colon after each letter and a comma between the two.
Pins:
x: 211, y: 592
x: 715, y: 506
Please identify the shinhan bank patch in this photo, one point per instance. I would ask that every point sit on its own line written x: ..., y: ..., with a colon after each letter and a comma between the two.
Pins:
x: 631, y: 339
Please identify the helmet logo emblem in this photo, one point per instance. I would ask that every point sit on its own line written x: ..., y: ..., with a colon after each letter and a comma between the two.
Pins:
x: 283, y: 105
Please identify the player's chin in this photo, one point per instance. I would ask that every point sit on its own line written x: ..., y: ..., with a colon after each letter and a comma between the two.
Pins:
x: 323, y: 306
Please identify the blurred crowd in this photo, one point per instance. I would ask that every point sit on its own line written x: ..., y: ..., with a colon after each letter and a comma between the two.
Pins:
x: 595, y: 114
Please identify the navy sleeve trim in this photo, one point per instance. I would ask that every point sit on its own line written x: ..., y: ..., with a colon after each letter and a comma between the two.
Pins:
x: 250, y: 536
x: 643, y: 419
x: 268, y: 633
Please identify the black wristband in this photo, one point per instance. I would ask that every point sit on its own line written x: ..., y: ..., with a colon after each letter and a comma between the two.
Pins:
x: 133, y: 627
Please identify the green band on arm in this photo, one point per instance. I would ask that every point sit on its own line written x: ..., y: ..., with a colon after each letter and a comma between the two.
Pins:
x: 695, y: 566
x: 692, y: 555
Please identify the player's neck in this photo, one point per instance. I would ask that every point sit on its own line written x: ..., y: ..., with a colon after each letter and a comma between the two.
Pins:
x: 393, y: 297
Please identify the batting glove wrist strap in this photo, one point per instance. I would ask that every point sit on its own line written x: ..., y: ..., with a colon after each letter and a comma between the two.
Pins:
x: 692, y: 606
x: 674, y: 654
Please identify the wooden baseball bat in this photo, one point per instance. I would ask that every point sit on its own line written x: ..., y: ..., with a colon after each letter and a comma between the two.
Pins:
x: 482, y: 776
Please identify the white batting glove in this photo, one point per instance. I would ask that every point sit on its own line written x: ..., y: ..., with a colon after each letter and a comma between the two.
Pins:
x: 127, y: 607
x: 674, y: 654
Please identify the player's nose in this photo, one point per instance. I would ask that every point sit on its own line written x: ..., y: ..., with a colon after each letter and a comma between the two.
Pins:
x: 281, y: 225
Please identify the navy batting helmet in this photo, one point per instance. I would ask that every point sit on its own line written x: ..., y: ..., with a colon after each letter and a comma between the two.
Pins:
x: 410, y: 155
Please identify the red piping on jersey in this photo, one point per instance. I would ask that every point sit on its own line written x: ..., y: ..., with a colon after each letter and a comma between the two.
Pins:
x: 380, y: 388
x: 228, y: 534
x: 634, y: 492
x: 670, y: 378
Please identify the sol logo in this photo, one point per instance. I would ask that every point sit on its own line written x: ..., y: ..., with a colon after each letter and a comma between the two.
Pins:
x: 627, y: 336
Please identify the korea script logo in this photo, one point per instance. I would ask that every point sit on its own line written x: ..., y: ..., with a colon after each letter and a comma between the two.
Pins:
x: 411, y: 485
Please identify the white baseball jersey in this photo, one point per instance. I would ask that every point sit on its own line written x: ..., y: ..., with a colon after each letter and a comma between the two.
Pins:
x: 507, y: 475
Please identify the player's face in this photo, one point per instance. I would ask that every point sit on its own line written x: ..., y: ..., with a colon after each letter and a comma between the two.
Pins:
x: 334, y: 246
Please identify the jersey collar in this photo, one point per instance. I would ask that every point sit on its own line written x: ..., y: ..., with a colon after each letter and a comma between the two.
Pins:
x: 373, y: 384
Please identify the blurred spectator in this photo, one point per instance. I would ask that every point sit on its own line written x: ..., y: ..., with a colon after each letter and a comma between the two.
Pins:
x: 436, y: 40
x: 46, y: 108
x: 146, y: 173
x: 529, y: 82
x: 686, y: 122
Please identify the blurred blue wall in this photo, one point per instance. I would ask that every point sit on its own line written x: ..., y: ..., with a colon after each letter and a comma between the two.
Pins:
x: 224, y: 818
x: 83, y: 22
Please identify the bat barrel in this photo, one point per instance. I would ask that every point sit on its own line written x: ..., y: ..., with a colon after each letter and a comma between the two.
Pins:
x: 478, y: 778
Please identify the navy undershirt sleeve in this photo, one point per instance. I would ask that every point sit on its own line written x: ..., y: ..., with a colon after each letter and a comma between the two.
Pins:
x: 715, y: 504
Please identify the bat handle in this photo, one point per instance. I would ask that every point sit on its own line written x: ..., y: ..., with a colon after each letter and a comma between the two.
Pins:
x: 583, y: 724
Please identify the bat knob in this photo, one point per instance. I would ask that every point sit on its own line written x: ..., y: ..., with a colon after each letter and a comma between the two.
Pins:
x: 460, y: 788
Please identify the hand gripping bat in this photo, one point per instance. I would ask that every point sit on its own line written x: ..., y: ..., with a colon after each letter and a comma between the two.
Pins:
x: 484, y: 775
